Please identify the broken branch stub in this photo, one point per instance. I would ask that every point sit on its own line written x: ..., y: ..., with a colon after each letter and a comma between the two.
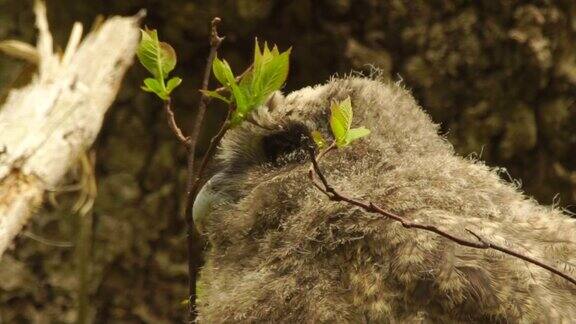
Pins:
x: 45, y: 125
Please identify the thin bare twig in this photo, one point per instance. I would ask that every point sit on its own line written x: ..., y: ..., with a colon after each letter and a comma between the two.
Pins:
x: 480, y: 243
x: 193, y: 241
x: 172, y: 123
x: 45, y: 241
x: 194, y: 178
x: 214, y: 142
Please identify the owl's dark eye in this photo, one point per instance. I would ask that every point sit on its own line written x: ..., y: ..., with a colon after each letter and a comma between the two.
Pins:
x: 287, y: 145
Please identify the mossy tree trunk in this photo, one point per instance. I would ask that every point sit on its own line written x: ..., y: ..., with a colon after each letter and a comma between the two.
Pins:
x: 500, y: 77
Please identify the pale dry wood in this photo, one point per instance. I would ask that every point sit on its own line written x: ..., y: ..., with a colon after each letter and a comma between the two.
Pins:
x: 45, y: 125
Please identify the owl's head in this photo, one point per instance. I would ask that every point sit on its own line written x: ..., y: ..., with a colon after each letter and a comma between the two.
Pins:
x: 263, y: 163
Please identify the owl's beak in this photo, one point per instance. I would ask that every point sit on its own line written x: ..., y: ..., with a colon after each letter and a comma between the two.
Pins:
x: 204, y: 204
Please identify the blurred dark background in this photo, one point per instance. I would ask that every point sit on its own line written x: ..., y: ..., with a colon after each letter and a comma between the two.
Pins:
x: 499, y: 76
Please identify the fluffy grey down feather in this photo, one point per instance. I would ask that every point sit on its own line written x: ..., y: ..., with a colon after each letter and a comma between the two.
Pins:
x: 280, y: 251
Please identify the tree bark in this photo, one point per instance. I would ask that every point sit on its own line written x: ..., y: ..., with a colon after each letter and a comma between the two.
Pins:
x: 45, y: 125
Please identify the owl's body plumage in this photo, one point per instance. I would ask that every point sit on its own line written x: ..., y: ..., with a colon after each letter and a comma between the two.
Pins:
x: 280, y: 251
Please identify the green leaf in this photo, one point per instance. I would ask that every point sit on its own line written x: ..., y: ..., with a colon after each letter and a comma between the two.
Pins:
x: 152, y: 85
x: 356, y: 133
x: 157, y: 57
x: 257, y: 54
x: 268, y: 74
x: 224, y: 75
x: 340, y: 121
x: 242, y: 107
x: 272, y: 75
x: 215, y: 94
x: 222, y: 72
x: 167, y: 58
x: 266, y: 53
x: 172, y: 84
x: 319, y: 139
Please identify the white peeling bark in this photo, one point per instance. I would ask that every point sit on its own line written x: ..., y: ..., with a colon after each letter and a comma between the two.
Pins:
x: 45, y: 125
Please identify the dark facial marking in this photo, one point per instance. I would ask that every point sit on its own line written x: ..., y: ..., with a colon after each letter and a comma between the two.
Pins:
x: 278, y: 147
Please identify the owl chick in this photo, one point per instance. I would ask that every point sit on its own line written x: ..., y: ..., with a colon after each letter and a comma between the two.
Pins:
x: 280, y: 251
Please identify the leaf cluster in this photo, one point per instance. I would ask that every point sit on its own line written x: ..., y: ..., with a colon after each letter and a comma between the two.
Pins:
x: 159, y: 58
x: 268, y: 74
x: 340, y: 125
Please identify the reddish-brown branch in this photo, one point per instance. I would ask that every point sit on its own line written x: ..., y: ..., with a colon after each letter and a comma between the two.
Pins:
x: 214, y: 142
x: 193, y: 242
x: 194, y: 178
x: 173, y: 125
x: 480, y: 243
